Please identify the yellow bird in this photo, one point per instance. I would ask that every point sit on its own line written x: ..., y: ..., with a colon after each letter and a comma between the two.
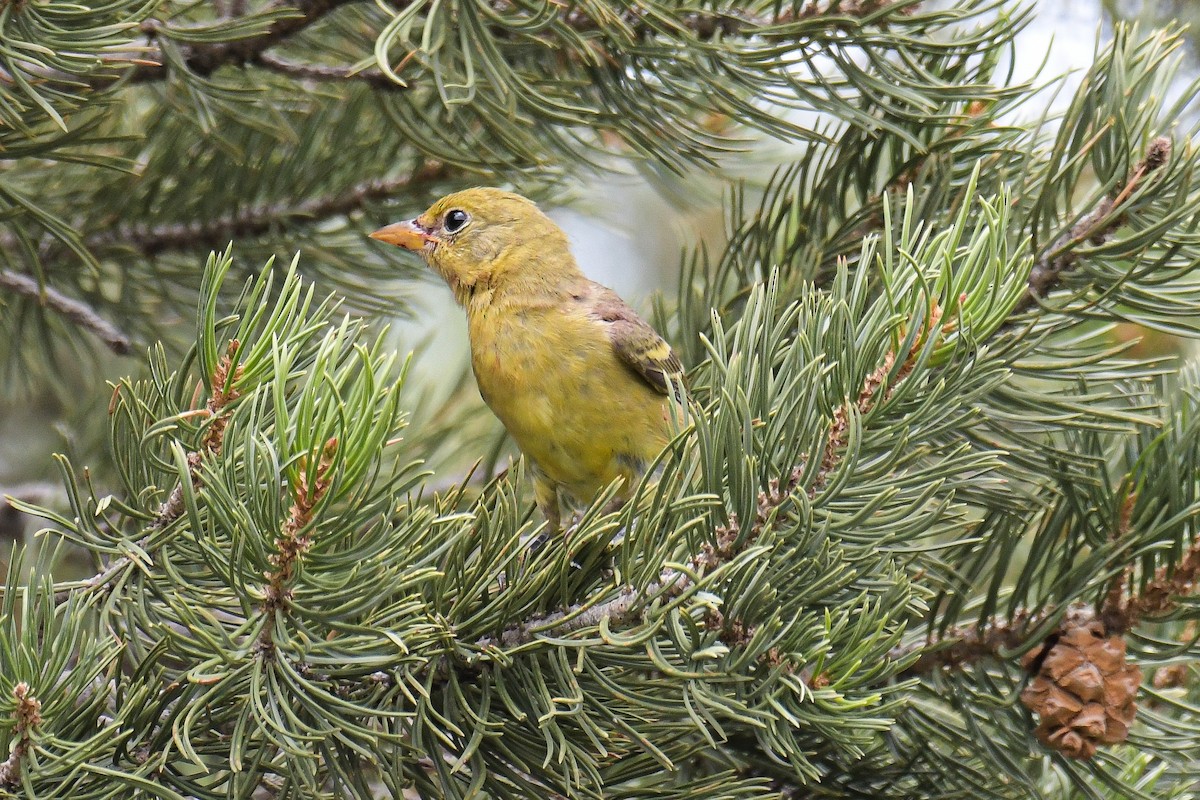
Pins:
x: 581, y: 382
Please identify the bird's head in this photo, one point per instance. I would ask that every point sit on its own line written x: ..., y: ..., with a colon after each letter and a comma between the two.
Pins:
x: 483, y: 236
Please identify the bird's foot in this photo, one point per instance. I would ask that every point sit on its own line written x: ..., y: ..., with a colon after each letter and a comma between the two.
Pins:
x: 536, y: 543
x: 617, y: 537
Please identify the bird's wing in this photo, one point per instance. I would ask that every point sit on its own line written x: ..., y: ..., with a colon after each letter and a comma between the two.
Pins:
x: 636, y: 343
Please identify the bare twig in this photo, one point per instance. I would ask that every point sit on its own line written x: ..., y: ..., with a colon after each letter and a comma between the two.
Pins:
x: 76, y: 311
x: 257, y: 220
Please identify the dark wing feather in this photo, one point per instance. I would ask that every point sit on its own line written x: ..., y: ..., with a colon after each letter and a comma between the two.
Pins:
x: 637, y: 344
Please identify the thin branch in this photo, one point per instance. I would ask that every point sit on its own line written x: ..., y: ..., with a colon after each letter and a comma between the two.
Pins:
x: 258, y: 220
x: 1096, y: 227
x: 76, y: 311
x: 961, y: 645
x: 204, y: 59
x: 1160, y: 596
x: 150, y: 64
x: 618, y: 611
x: 628, y: 606
x: 323, y: 72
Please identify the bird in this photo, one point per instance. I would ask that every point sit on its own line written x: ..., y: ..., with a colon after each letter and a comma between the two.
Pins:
x: 583, y: 385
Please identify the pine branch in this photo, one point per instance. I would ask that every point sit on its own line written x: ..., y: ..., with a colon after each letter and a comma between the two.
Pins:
x: 293, y: 542
x: 26, y: 716
x: 1159, y: 597
x: 959, y: 646
x: 204, y: 59
x: 261, y: 219
x: 224, y: 393
x: 324, y: 72
x: 1095, y: 227
x: 76, y: 311
x: 150, y: 64
x: 962, y: 645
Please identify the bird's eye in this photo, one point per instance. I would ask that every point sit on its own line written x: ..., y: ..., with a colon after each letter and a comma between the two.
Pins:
x: 455, y: 220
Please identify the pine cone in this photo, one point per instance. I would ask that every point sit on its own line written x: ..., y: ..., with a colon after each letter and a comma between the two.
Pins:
x: 1083, y: 692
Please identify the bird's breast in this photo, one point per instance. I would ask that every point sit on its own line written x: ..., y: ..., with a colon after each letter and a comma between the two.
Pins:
x: 552, y: 378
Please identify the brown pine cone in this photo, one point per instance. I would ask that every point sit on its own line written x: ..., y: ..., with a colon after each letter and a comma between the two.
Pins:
x: 1083, y: 692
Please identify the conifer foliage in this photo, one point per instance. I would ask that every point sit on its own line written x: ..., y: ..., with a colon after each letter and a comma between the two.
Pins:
x: 927, y: 530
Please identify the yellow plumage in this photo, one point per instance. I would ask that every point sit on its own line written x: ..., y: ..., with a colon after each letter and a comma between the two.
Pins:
x: 579, y: 380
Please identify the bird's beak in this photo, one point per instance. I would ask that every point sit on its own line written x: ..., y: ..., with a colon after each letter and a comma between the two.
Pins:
x: 408, y: 234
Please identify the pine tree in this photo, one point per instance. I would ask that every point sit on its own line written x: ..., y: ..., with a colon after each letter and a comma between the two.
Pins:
x: 930, y: 530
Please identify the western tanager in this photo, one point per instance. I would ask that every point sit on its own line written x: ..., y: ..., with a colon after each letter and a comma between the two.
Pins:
x: 579, y: 380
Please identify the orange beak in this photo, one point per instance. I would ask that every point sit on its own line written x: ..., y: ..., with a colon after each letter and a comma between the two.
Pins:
x: 408, y: 234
